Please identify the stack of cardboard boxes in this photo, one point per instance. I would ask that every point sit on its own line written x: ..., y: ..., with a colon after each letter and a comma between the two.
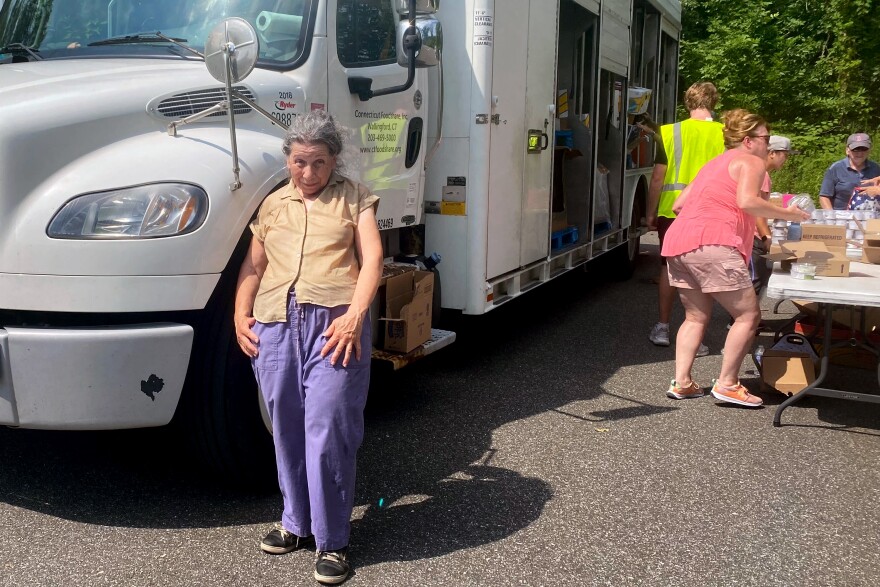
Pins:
x: 406, y: 295
x: 824, y: 246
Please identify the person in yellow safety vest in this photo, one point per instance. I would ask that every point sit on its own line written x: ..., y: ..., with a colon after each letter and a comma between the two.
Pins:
x: 688, y: 145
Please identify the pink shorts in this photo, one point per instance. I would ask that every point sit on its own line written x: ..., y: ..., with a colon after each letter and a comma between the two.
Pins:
x: 711, y: 268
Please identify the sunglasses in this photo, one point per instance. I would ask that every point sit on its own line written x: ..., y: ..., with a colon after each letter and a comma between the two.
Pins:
x: 766, y: 137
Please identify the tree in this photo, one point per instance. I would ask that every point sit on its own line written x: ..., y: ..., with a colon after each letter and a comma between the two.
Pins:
x: 811, y: 68
x: 24, y: 21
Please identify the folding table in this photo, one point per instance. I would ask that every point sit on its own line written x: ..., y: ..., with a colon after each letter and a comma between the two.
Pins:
x: 861, y: 289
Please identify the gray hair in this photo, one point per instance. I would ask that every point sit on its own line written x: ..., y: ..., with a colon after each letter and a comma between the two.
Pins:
x: 315, y: 127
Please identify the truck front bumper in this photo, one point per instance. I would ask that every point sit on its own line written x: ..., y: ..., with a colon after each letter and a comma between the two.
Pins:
x: 92, y: 378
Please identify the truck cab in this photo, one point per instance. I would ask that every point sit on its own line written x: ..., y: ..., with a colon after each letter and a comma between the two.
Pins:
x: 121, y: 240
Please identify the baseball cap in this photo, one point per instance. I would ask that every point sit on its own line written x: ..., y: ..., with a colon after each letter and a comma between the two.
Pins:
x: 779, y: 143
x: 858, y: 139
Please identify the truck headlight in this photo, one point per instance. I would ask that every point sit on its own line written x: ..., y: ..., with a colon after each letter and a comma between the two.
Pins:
x: 146, y: 211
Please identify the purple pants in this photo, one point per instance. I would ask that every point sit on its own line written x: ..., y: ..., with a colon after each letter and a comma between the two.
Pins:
x: 317, y: 413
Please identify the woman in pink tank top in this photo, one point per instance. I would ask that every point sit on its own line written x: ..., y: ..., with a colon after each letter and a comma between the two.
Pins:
x: 708, y: 249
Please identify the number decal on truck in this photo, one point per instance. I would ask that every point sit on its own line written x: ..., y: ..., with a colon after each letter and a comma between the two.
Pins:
x: 385, y: 223
x: 284, y: 117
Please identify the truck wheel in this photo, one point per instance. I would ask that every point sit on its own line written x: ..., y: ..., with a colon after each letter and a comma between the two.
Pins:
x: 223, y: 411
x: 622, y: 260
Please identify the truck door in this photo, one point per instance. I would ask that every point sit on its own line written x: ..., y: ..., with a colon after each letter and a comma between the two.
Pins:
x: 388, y: 143
x: 666, y: 98
x: 523, y: 81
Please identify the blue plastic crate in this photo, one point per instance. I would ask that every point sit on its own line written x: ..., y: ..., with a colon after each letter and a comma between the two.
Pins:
x: 563, y: 238
x: 565, y: 138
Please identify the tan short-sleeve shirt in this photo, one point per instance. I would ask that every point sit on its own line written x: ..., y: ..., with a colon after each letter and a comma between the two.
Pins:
x: 312, y: 251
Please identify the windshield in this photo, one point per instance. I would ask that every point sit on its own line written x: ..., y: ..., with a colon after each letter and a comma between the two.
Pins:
x: 66, y: 28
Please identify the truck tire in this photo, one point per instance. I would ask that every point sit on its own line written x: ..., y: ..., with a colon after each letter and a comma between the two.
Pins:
x: 222, y: 409
x: 622, y: 260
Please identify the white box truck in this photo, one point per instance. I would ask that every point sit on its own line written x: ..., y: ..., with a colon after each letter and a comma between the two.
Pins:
x: 126, y: 190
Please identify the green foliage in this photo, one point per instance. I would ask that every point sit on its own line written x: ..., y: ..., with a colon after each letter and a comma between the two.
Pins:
x: 811, y: 68
x: 24, y: 21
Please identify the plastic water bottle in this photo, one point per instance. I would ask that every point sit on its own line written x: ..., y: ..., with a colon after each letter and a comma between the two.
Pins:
x: 804, y: 202
x: 794, y: 231
x: 759, y: 354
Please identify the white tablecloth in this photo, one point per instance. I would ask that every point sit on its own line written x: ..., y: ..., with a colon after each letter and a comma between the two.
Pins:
x: 861, y: 288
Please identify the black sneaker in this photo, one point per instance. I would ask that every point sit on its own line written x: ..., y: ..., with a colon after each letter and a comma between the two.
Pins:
x: 331, y: 567
x: 280, y: 541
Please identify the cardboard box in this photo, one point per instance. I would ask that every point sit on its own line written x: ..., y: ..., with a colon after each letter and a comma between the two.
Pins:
x: 558, y: 221
x: 408, y: 304
x: 834, y: 237
x: 847, y: 356
x: 390, y: 270
x: 637, y: 100
x: 871, y: 247
x: 829, y: 263
x: 871, y: 255
x: 842, y: 317
x: 857, y: 358
x: 786, y: 371
x: 562, y: 103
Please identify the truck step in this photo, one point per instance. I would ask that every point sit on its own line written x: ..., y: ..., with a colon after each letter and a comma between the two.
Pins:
x: 563, y: 238
x: 439, y: 339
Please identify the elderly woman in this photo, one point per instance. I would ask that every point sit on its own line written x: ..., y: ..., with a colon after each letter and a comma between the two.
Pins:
x: 708, y: 248
x: 843, y: 176
x: 301, y: 314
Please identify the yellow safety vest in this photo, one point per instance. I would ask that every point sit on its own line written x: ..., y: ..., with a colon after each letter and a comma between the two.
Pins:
x: 689, y: 145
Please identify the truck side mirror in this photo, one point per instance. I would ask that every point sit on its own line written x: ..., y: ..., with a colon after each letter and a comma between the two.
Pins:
x: 409, y: 43
x: 431, y: 33
x: 231, y: 50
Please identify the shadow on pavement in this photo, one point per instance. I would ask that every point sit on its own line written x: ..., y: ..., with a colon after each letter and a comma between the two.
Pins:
x: 427, y: 452
x: 427, y: 483
x: 131, y: 478
x: 429, y: 433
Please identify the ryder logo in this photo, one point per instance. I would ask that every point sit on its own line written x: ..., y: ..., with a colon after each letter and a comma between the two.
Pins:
x: 282, y: 105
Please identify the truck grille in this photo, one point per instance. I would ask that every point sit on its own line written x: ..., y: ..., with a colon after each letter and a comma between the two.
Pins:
x: 190, y: 103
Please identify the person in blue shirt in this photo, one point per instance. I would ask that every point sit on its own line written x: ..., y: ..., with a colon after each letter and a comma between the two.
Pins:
x: 844, y: 175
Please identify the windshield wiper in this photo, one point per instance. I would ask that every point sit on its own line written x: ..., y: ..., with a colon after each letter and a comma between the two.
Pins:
x: 136, y: 38
x: 144, y: 38
x: 21, y: 48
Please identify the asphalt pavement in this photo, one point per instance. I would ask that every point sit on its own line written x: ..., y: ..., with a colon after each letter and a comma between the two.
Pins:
x: 539, y: 449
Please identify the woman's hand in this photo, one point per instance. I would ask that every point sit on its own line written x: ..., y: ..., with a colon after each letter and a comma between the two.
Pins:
x: 869, y: 190
x: 344, y: 337
x: 252, y: 269
x: 795, y: 214
x: 874, y: 181
x: 245, y: 337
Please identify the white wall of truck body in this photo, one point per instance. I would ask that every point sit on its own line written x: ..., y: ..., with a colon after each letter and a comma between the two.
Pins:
x: 499, y: 248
